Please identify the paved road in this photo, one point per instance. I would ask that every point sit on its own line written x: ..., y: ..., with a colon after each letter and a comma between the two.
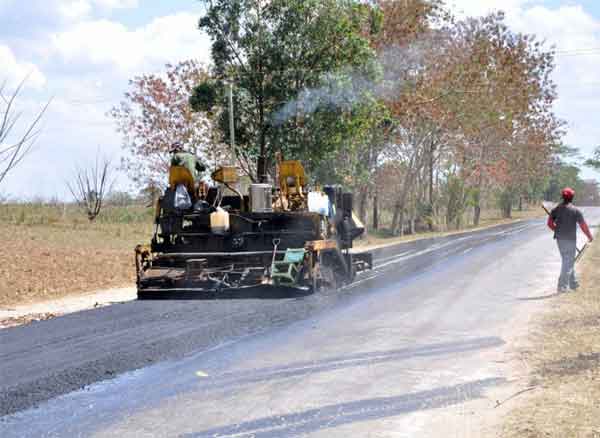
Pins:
x: 415, y: 335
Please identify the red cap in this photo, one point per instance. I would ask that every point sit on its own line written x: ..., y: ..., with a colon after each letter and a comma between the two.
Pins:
x: 568, y: 194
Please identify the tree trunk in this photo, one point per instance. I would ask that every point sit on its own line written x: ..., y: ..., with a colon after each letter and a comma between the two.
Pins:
x: 477, y: 208
x: 362, y: 206
x: 413, y: 214
x: 431, y: 176
x: 396, y: 216
x: 407, y: 185
x: 431, y: 208
x: 508, y: 211
x: 401, y: 222
x: 477, y: 215
x: 376, y: 212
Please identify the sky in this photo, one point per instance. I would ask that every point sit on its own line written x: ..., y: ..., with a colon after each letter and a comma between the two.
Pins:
x: 81, y: 53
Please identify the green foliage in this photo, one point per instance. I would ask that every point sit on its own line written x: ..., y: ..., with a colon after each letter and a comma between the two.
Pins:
x: 565, y: 175
x: 506, y: 198
x: 426, y: 213
x: 455, y: 200
x: 300, y: 68
x: 595, y: 160
x: 204, y: 97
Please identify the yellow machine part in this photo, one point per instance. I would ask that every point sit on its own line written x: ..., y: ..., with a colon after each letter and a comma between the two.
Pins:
x: 225, y: 175
x: 181, y: 175
x: 293, y: 169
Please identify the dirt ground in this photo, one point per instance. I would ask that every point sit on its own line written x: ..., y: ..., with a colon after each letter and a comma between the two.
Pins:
x: 41, y: 262
x: 564, y: 362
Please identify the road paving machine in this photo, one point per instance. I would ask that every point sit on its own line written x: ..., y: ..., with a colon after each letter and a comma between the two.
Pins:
x: 219, y: 237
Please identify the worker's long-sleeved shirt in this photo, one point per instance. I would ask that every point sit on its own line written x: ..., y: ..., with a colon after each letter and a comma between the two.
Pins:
x: 189, y: 161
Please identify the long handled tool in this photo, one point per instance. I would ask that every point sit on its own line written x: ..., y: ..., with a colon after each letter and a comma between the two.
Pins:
x: 579, y: 251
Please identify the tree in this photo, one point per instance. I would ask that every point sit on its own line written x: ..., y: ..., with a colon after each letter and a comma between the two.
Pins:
x: 404, y: 38
x: 595, y: 160
x: 154, y: 114
x: 300, y: 69
x: 563, y: 175
x: 90, y: 186
x: 506, y: 116
x: 14, y: 147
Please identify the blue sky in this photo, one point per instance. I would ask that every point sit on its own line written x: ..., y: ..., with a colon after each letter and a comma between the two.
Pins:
x: 82, y: 52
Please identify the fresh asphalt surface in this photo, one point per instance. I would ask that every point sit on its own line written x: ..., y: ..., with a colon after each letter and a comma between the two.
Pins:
x: 407, y: 338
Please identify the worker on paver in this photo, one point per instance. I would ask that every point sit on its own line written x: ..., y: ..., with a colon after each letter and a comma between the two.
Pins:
x: 563, y: 220
x: 179, y: 157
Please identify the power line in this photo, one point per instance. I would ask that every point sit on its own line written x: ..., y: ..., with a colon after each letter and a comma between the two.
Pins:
x: 578, y: 49
x: 578, y: 52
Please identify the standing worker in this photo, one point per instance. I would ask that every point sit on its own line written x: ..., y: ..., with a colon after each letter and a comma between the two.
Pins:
x: 179, y: 157
x: 563, y: 220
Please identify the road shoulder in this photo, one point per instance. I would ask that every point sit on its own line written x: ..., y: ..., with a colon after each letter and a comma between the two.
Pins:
x: 562, y: 359
x: 27, y: 313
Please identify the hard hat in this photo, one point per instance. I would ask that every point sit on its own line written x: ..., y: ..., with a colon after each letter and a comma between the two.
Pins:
x: 567, y: 194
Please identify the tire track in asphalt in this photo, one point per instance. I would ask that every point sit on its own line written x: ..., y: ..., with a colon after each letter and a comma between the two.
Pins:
x: 331, y: 416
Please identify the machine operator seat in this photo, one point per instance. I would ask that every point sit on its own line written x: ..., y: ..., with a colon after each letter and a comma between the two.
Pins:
x: 181, y: 175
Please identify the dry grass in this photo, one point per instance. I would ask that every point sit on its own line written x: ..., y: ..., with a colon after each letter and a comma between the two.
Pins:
x: 565, y: 364
x: 43, y: 257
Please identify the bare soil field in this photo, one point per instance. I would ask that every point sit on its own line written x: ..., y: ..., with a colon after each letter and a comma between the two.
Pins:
x: 564, y: 364
x: 44, y: 258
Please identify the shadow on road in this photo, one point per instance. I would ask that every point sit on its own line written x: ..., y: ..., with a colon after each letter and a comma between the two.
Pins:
x: 259, y: 292
x: 540, y: 298
x: 326, y: 417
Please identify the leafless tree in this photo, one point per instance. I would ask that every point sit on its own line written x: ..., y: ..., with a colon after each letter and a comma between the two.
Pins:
x: 90, y: 186
x: 15, y: 147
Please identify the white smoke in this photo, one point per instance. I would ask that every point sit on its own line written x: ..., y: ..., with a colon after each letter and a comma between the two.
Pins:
x: 347, y: 87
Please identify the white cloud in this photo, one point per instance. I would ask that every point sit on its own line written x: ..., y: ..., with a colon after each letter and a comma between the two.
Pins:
x: 45, y: 12
x: 474, y: 8
x: 14, y: 71
x: 36, y: 17
x: 116, y: 4
x: 108, y: 43
x: 88, y: 61
x: 73, y: 9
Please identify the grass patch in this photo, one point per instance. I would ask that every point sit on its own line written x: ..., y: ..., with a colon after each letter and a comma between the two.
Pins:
x: 565, y: 365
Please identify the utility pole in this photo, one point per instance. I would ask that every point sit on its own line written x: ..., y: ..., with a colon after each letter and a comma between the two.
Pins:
x: 231, y: 123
